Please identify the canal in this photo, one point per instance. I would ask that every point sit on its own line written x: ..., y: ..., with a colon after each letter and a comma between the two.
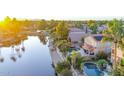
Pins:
x: 31, y: 57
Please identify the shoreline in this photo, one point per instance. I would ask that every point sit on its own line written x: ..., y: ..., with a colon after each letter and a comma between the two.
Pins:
x: 54, y: 55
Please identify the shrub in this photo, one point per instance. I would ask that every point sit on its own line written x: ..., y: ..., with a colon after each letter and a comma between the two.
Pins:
x: 63, y: 45
x: 78, y: 63
x: 119, y: 71
x: 68, y: 59
x: 66, y: 72
x: 101, y: 55
x: 61, y: 66
x: 122, y: 62
x: 102, y: 63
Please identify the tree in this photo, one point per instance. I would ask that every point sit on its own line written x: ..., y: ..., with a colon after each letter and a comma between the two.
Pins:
x: 7, y: 19
x: 52, y: 24
x: 14, y: 19
x: 122, y: 62
x: 43, y: 24
x: 78, y: 24
x: 101, y: 55
x: 114, y: 33
x: 118, y: 71
x: 74, y: 56
x: 78, y: 64
x: 15, y: 26
x: 76, y: 60
x: 62, y: 30
x: 63, y: 45
x: 66, y: 72
x: 102, y: 63
x: 93, y: 26
x: 63, y: 68
x: 121, y: 44
x: 1, y: 57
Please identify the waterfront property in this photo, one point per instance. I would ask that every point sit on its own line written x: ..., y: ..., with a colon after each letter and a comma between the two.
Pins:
x: 83, y: 48
x: 93, y: 44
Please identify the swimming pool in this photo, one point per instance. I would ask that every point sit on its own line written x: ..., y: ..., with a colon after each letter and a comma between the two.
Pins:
x: 73, y: 49
x: 91, y: 69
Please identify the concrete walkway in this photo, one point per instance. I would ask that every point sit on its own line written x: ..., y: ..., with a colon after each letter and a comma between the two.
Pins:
x: 56, y: 58
x: 54, y: 55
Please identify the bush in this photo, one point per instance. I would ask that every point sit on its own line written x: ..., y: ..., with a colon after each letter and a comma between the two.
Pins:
x: 61, y: 66
x: 78, y: 63
x: 63, y: 45
x: 101, y: 55
x: 102, y: 63
x: 122, y: 62
x: 119, y: 71
x: 68, y: 58
x: 66, y: 72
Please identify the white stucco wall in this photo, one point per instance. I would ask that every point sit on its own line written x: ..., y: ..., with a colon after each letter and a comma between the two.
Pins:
x: 100, y: 46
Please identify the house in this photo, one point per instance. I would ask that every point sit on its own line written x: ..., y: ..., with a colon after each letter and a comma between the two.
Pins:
x: 86, y: 29
x: 76, y: 35
x: 102, y: 28
x: 99, y: 28
x: 120, y: 54
x: 93, y: 44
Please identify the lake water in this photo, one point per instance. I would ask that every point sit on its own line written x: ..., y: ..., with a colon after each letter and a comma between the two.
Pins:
x: 32, y: 60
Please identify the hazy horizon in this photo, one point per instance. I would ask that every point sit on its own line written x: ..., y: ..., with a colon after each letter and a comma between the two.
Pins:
x: 60, y: 9
x: 69, y: 18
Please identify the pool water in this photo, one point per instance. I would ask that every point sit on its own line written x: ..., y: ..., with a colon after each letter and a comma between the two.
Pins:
x: 90, y: 69
x: 73, y: 49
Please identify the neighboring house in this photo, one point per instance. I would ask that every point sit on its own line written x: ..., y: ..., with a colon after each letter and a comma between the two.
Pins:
x: 86, y: 28
x: 120, y: 54
x: 93, y: 44
x: 102, y: 28
x: 99, y: 28
x: 76, y: 35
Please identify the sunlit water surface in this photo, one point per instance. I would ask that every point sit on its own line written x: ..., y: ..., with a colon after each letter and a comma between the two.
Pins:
x: 34, y: 61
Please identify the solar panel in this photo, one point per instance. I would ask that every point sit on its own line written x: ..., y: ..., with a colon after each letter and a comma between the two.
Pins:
x: 98, y: 38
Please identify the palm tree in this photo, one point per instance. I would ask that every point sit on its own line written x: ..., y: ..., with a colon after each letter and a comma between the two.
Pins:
x: 23, y: 47
x: 63, y: 45
x: 121, y: 44
x: 13, y: 58
x: 62, y: 30
x: 18, y: 51
x: 114, y: 33
x: 74, y: 56
x: 1, y: 58
x: 92, y: 24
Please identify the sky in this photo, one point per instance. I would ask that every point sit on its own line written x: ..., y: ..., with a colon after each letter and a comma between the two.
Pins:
x: 62, y: 9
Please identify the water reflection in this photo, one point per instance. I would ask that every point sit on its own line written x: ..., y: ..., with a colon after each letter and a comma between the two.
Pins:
x: 42, y: 38
x: 23, y: 47
x: 1, y: 57
x: 28, y: 52
x: 13, y: 55
x: 17, y: 45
